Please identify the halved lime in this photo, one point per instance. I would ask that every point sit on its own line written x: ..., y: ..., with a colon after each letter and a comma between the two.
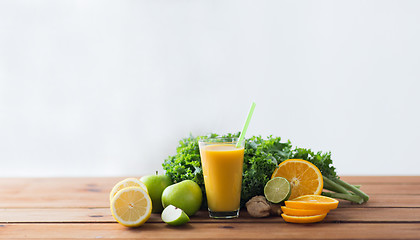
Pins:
x: 174, y: 216
x: 277, y: 190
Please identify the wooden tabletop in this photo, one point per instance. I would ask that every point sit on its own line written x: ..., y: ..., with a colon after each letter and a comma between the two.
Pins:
x: 56, y: 208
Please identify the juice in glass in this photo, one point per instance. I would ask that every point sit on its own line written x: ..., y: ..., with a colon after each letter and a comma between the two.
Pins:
x: 222, y: 164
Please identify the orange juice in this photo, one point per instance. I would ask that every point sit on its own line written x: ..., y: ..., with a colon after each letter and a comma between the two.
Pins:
x: 222, y: 169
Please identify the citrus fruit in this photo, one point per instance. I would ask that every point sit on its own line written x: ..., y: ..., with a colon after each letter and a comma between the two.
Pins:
x: 314, y: 202
x: 302, y: 212
x: 303, y: 219
x: 128, y: 182
x: 131, y: 206
x: 174, y: 216
x: 304, y: 177
x: 277, y: 190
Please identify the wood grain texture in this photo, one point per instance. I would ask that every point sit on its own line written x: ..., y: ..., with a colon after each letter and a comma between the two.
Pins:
x: 103, y: 215
x: 382, y: 179
x: 411, y: 201
x: 55, y: 215
x: 78, y: 208
x: 391, y: 189
x: 93, y: 192
x: 213, y: 231
x: 56, y: 192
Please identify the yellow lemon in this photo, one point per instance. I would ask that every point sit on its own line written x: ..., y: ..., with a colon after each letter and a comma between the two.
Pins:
x: 128, y: 182
x: 131, y: 206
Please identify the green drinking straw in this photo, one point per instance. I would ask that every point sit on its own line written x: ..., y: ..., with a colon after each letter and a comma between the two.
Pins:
x: 248, y: 119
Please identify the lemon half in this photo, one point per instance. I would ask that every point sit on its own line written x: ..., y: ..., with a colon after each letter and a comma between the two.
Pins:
x: 128, y: 182
x: 131, y: 206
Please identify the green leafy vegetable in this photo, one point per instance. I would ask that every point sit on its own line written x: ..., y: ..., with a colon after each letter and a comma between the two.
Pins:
x: 261, y: 158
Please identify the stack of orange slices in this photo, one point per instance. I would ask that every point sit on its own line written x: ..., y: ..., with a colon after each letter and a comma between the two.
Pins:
x: 308, y: 208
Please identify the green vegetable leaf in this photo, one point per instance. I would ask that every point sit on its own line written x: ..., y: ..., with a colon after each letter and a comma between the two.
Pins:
x: 261, y: 158
x: 322, y: 160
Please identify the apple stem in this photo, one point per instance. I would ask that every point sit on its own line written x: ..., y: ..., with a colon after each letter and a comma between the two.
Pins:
x: 157, y: 173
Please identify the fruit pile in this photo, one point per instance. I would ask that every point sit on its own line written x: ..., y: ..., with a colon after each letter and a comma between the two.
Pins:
x: 296, y: 183
x: 302, y: 183
x: 133, y: 200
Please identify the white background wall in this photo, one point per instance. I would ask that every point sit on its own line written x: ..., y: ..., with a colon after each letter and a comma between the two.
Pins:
x: 107, y: 88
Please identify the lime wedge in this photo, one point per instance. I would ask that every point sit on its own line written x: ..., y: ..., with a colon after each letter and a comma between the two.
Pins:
x: 277, y: 190
x: 174, y: 216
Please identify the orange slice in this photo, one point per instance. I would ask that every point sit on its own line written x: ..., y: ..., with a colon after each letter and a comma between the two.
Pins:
x: 303, y: 219
x: 303, y: 212
x: 313, y: 202
x: 304, y: 177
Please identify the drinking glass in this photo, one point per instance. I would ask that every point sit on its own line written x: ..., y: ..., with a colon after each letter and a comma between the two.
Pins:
x: 222, y: 163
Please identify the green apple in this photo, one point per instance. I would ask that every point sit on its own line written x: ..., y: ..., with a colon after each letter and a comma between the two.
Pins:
x: 174, y: 216
x: 155, y: 185
x: 185, y: 195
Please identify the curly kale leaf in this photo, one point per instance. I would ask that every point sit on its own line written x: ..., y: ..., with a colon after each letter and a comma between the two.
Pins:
x: 261, y: 158
x: 186, y: 164
x: 322, y: 160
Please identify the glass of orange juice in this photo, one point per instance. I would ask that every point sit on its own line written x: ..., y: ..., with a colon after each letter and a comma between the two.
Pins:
x: 222, y: 163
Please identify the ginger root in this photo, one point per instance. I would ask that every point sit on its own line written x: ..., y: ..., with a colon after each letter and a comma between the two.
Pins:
x: 258, y: 206
x: 275, y: 209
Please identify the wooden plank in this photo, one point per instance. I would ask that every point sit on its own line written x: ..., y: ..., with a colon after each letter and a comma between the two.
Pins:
x: 382, y: 179
x: 103, y: 215
x: 400, y: 189
x: 93, y: 192
x: 55, y: 215
x: 45, y: 208
x: 374, y: 215
x: 55, y: 192
x: 400, y: 201
x: 86, y: 193
x: 213, y: 231
x: 101, y: 201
